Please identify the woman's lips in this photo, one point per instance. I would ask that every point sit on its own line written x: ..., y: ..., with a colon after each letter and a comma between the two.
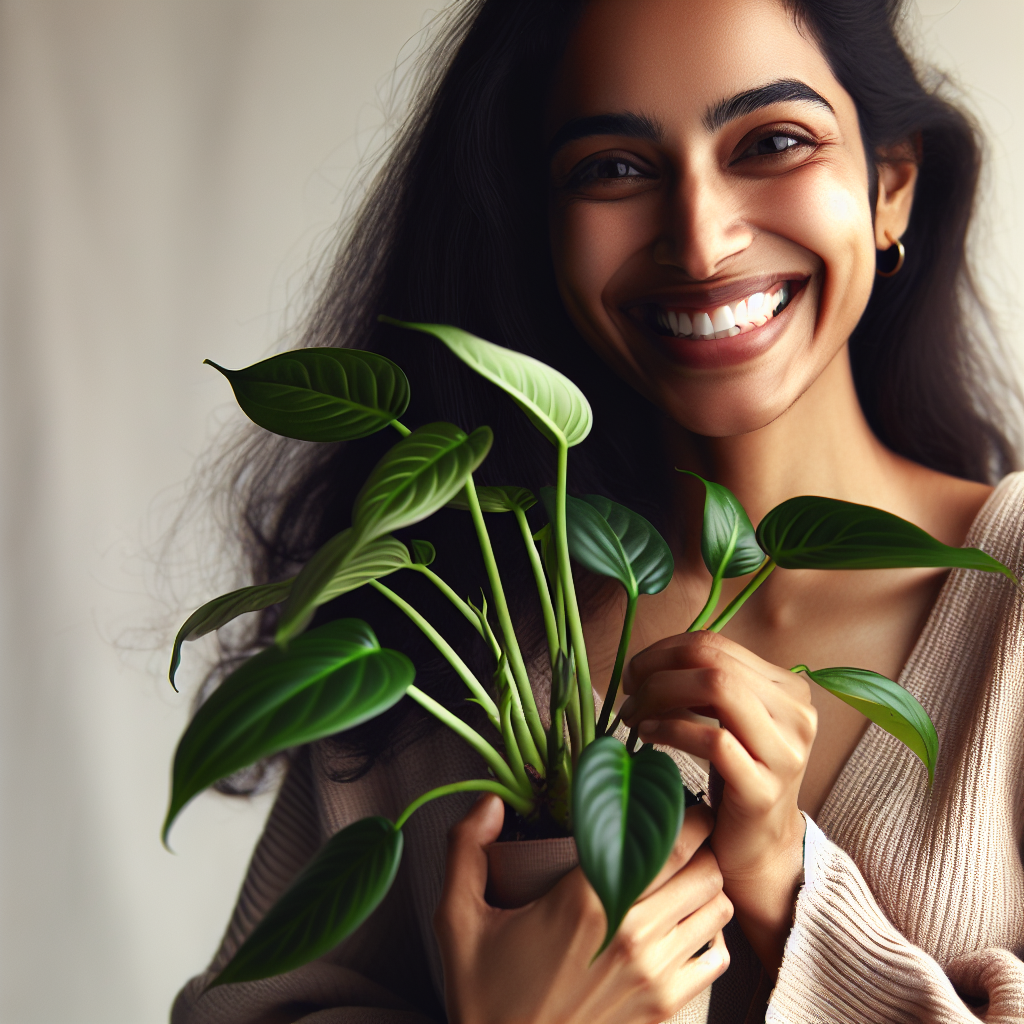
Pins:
x: 721, y: 335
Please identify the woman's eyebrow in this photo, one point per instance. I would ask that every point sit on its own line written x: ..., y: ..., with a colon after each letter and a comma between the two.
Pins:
x: 633, y: 126
x: 744, y: 103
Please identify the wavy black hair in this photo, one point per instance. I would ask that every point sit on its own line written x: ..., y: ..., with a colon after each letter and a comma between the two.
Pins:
x: 454, y: 230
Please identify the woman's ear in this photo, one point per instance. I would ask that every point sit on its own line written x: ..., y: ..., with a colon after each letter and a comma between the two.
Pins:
x: 897, y: 177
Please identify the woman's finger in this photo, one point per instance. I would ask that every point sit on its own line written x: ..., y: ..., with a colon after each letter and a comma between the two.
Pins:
x: 698, y: 823
x: 685, y: 892
x: 697, y: 973
x: 465, y: 873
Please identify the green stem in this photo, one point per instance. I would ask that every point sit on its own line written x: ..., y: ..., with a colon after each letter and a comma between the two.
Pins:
x: 522, y: 805
x: 494, y: 760
x: 462, y: 606
x: 634, y: 735
x: 712, y: 602
x: 461, y: 668
x: 515, y: 656
x: 741, y: 598
x: 572, y: 714
x: 572, y: 607
x: 401, y: 428
x: 620, y: 661
x: 550, y: 627
x: 511, y: 741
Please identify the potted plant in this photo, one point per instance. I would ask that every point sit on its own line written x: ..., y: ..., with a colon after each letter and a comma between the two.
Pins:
x: 570, y: 776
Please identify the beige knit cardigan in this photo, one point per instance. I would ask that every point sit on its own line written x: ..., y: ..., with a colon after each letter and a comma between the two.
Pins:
x: 912, y: 904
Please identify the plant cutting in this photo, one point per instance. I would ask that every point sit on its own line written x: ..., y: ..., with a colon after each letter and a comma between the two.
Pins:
x: 567, y: 770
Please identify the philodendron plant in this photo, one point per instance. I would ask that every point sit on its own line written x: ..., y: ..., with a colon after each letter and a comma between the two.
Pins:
x: 623, y: 806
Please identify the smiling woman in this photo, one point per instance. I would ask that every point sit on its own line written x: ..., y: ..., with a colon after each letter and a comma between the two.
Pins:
x: 751, y: 259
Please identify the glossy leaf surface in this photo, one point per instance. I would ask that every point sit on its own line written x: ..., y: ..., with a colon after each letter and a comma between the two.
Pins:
x: 627, y: 812
x: 329, y: 900
x: 824, y: 533
x: 332, y: 678
x: 555, y: 406
x: 728, y: 535
x: 340, y: 566
x: 321, y: 394
x: 888, y: 705
x: 497, y: 499
x: 419, y: 475
x: 612, y: 540
x: 221, y: 610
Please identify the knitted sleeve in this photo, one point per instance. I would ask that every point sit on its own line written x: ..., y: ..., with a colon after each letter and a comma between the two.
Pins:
x: 844, y: 961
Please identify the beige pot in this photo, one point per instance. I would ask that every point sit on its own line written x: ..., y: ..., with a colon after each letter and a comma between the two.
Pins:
x: 520, y: 872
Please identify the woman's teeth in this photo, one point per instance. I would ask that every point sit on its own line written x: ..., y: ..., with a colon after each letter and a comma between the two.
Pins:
x: 726, y: 321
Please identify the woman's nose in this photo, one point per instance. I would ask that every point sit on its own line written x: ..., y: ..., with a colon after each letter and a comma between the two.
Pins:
x: 703, y: 226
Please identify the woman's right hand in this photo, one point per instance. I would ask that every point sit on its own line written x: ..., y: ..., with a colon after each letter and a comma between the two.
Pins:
x: 532, y: 965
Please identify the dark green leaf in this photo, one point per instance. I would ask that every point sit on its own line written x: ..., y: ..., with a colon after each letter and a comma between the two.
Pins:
x: 419, y: 475
x: 221, y: 610
x: 649, y: 556
x: 332, y: 897
x: 332, y: 678
x: 824, y: 533
x: 423, y: 552
x: 497, y: 499
x: 728, y: 535
x: 612, y: 540
x: 321, y: 394
x: 888, y: 705
x: 340, y: 566
x: 627, y: 812
x: 555, y: 406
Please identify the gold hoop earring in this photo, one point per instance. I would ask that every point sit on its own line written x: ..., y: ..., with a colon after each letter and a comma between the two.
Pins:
x: 902, y: 253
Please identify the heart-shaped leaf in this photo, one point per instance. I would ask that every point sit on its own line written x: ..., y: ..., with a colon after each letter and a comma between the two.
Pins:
x: 627, y: 812
x: 728, y: 543
x: 824, y: 533
x: 649, y: 556
x: 888, y: 705
x: 419, y: 475
x: 497, y: 499
x: 555, y: 406
x: 221, y: 610
x: 612, y: 540
x: 343, y: 564
x: 329, y: 900
x: 423, y: 552
x: 332, y: 678
x: 321, y: 394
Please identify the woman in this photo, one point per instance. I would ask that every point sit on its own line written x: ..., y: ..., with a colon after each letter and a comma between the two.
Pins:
x: 681, y: 206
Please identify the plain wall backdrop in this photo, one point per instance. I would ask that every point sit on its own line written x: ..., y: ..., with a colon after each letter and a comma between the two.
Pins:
x: 170, y: 173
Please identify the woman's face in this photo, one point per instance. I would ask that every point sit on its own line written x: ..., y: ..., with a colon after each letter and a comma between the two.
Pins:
x: 710, y: 220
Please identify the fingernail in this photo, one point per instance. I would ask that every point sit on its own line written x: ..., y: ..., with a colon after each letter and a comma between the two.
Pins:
x: 712, y: 958
x: 649, y: 727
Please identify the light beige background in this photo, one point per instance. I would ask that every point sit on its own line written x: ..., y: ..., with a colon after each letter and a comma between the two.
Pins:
x: 169, y: 173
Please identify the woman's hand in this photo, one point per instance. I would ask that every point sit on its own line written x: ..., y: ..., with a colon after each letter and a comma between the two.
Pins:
x: 760, y: 751
x: 533, y: 965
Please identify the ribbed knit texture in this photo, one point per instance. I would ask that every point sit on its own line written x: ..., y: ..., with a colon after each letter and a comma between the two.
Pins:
x: 912, y: 907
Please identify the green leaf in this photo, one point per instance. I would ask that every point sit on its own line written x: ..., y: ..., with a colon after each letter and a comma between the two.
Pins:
x: 611, y: 540
x: 627, y: 812
x: 649, y: 556
x: 423, y: 552
x: 555, y: 406
x: 419, y: 475
x: 221, y: 610
x: 888, y: 705
x: 330, y: 899
x: 321, y: 394
x: 497, y: 499
x: 824, y: 533
x: 728, y: 535
x: 332, y: 678
x: 563, y: 682
x: 343, y: 564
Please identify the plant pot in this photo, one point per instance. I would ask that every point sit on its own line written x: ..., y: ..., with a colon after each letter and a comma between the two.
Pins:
x: 523, y: 871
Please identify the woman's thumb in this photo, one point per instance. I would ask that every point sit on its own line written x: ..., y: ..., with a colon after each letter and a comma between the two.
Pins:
x: 466, y: 870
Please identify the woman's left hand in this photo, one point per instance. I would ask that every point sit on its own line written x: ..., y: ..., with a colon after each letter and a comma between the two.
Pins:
x: 760, y: 750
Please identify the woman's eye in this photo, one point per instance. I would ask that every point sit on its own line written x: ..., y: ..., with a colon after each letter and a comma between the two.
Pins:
x: 772, y: 145
x: 606, y: 169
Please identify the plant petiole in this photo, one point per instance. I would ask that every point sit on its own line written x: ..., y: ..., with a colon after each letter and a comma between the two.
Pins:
x: 741, y: 598
x: 620, y: 661
x: 521, y: 804
x: 543, y: 591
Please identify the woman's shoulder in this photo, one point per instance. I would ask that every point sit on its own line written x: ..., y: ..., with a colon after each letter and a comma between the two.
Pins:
x: 998, y: 528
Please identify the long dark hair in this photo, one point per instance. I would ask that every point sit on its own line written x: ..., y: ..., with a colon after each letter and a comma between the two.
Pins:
x: 454, y: 230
